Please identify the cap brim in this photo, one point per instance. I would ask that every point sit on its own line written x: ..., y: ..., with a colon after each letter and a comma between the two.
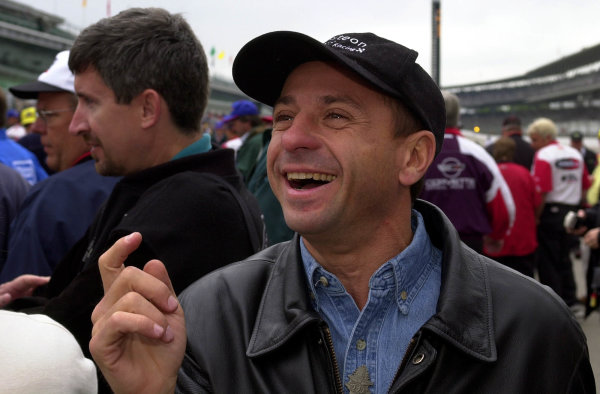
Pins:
x: 229, y: 118
x: 263, y: 64
x: 31, y: 90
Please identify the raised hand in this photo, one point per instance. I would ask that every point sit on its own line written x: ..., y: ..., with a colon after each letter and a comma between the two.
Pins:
x: 139, y: 338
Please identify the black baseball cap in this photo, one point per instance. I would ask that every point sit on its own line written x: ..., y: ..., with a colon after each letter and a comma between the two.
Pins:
x: 263, y: 64
x: 576, y: 136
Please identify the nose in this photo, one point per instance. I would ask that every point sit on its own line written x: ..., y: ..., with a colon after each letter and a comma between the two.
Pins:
x: 78, y: 124
x: 39, y: 126
x: 302, y: 134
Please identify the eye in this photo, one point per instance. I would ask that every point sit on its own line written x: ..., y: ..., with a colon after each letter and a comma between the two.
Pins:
x: 335, y: 115
x: 282, y: 120
x: 85, y: 100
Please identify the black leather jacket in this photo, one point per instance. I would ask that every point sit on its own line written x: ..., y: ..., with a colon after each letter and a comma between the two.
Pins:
x: 251, y: 329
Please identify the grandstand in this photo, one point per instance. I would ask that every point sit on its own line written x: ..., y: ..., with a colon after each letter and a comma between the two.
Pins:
x: 566, y: 91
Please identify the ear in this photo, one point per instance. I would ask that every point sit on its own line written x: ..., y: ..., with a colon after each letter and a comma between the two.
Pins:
x: 416, y: 156
x: 151, y: 107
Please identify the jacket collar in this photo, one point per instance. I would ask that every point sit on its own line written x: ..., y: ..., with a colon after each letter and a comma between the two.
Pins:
x: 464, y: 318
x: 218, y: 161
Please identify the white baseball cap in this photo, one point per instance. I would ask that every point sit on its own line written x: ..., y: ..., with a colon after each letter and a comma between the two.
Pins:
x: 58, y: 78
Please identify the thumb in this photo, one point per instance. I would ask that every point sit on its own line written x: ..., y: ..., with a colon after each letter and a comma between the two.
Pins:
x: 111, y: 261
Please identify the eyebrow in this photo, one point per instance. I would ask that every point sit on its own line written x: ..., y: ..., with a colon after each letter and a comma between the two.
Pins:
x: 327, y: 99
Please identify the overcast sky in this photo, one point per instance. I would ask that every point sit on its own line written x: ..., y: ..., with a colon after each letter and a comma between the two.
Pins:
x: 480, y: 40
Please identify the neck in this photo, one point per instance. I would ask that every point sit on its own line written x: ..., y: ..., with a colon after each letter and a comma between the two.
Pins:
x: 353, y: 260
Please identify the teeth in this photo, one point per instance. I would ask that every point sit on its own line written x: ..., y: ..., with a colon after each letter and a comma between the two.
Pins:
x: 306, y: 175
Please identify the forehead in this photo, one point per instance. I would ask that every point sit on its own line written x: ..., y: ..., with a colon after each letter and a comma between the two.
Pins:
x: 49, y: 98
x: 317, y: 78
x: 90, y: 82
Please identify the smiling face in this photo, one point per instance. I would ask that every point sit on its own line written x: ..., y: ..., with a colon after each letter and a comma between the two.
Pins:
x: 333, y: 160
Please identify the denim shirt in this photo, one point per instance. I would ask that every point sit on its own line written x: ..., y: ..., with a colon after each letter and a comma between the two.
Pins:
x: 403, y: 295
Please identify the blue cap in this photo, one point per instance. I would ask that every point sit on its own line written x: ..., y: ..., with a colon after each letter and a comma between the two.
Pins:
x: 12, y: 113
x: 241, y: 108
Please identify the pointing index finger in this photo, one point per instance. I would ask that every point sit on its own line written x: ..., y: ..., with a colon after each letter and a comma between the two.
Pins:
x: 111, y: 261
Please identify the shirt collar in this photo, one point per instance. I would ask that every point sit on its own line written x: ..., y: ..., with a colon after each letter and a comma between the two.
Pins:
x: 200, y: 146
x: 453, y: 130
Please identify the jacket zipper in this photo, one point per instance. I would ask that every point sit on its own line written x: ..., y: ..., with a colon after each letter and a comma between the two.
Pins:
x: 411, y: 346
x: 336, y: 369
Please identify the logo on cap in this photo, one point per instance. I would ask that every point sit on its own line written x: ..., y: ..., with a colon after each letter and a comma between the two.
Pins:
x: 344, y: 42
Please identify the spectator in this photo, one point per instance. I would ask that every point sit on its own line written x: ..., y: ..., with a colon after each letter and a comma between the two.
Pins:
x: 57, y: 211
x: 245, y: 123
x: 465, y: 178
x: 594, y: 191
x: 17, y: 157
x: 12, y: 192
x: 258, y: 184
x: 519, y: 245
x: 375, y: 293
x: 15, y: 129
x: 142, y: 122
x: 586, y: 223
x: 511, y: 127
x: 28, y: 117
x: 561, y: 176
x: 589, y: 157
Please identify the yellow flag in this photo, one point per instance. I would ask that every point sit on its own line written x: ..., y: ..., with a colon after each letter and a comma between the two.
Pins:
x: 221, y: 55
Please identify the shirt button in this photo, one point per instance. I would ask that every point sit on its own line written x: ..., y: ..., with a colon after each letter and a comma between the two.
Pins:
x: 324, y: 281
x: 361, y: 344
x: 403, y: 295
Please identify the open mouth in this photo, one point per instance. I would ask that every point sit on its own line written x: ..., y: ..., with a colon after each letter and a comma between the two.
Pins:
x: 306, y: 180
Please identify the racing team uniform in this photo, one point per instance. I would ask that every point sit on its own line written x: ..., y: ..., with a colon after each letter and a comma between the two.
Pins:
x: 465, y: 182
x: 560, y: 174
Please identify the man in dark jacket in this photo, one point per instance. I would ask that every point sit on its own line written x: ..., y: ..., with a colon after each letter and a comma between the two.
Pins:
x: 511, y: 127
x: 375, y: 293
x: 142, y: 82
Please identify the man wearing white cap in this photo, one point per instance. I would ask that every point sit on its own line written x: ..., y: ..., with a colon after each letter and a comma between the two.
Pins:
x: 56, y: 212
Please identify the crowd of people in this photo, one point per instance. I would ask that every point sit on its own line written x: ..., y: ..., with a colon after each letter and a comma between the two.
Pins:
x: 353, y: 242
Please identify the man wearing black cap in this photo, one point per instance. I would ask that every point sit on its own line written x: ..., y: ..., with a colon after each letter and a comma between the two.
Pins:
x: 57, y: 211
x: 375, y: 293
x: 589, y: 157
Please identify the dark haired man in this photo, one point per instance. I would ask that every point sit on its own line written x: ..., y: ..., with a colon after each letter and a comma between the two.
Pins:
x: 375, y: 293
x: 511, y: 127
x: 141, y: 79
x: 58, y: 210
